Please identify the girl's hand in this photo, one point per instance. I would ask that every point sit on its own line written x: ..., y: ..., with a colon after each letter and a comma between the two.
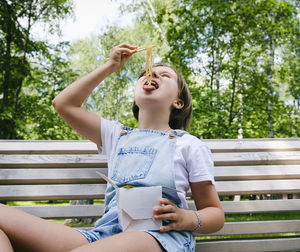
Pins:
x: 120, y: 54
x: 180, y: 219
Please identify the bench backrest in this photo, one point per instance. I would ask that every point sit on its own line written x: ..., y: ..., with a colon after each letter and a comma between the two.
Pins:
x: 53, y: 170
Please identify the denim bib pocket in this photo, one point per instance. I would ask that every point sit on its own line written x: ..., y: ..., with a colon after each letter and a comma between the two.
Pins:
x: 132, y: 163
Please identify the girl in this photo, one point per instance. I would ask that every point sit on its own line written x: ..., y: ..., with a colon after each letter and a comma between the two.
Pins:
x: 156, y: 153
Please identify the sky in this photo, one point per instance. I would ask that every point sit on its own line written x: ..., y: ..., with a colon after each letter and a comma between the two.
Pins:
x: 90, y: 17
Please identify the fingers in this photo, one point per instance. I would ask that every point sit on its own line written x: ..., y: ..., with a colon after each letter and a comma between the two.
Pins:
x: 166, y: 228
x: 126, y: 49
x: 162, y: 211
x: 122, y: 51
x: 166, y: 216
x: 120, y: 54
x: 177, y: 217
x: 167, y: 211
x: 125, y: 45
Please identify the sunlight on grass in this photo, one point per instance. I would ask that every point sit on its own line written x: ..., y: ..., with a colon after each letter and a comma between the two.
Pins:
x: 262, y: 216
x: 200, y: 238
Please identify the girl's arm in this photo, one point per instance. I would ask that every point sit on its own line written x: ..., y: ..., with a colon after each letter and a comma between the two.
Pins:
x: 69, y: 102
x: 208, y: 206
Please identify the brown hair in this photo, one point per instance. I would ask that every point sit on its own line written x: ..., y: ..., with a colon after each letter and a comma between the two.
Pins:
x: 179, y: 118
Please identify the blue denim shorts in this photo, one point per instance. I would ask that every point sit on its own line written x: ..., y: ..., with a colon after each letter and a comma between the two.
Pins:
x: 172, y: 241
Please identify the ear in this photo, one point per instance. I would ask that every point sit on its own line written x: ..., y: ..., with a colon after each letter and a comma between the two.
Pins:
x: 178, y: 104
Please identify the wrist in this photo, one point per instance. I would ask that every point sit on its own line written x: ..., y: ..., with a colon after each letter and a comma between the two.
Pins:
x: 110, y: 66
x: 197, y: 223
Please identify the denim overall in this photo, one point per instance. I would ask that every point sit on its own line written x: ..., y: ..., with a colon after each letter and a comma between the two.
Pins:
x: 142, y: 158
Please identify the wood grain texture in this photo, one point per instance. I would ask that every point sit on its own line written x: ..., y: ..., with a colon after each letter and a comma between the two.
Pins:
x: 65, y: 170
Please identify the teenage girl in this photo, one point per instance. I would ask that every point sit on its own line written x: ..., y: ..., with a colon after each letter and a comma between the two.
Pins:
x: 158, y: 152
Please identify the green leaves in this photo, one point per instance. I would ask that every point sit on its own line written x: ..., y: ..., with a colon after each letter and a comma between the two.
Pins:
x: 236, y: 51
x: 26, y: 81
x: 240, y: 58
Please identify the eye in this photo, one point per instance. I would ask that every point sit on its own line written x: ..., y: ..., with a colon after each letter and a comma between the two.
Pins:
x: 165, y: 75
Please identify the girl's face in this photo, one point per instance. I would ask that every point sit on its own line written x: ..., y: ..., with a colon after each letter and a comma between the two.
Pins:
x: 162, y: 93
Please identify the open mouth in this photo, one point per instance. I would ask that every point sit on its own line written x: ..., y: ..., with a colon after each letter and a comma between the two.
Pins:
x: 154, y: 85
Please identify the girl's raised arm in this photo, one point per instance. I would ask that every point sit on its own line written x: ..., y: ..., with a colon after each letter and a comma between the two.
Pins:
x: 69, y: 102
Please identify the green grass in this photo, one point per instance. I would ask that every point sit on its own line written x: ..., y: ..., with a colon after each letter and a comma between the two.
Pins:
x: 262, y: 216
x: 246, y: 236
x: 37, y: 203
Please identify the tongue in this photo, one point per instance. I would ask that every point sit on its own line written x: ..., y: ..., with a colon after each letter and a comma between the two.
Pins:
x: 149, y: 88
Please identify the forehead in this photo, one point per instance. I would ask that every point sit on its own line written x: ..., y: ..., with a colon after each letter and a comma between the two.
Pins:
x: 161, y: 69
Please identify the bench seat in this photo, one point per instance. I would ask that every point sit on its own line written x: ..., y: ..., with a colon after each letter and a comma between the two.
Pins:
x: 66, y: 170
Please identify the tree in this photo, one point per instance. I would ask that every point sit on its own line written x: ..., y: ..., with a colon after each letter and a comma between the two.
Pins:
x: 50, y: 74
x: 229, y: 52
x: 18, y: 47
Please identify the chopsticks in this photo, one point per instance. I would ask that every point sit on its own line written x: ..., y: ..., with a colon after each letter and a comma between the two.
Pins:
x: 142, y: 48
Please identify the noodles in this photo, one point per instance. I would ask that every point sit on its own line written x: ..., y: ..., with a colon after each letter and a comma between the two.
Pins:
x: 149, y: 61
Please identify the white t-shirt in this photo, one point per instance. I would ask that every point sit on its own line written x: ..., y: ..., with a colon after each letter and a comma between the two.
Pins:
x: 192, y: 161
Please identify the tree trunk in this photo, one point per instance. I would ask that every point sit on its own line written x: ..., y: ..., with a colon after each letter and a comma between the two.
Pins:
x: 234, y: 79
x: 270, y: 86
x: 7, y: 58
x: 21, y: 79
x: 151, y: 14
x: 5, y: 124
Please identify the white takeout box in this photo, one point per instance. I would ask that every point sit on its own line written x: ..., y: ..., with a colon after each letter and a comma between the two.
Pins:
x: 136, y: 208
x: 135, y: 205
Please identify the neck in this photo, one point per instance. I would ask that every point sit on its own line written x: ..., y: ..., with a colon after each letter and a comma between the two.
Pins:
x: 153, y: 120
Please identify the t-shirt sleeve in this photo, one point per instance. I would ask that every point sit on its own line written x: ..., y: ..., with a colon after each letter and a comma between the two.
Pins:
x: 110, y: 131
x: 199, y: 162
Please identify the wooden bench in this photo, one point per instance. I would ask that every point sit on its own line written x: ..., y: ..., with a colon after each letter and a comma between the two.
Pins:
x: 65, y: 170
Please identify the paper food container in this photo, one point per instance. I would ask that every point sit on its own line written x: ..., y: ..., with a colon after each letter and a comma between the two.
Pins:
x: 135, y: 205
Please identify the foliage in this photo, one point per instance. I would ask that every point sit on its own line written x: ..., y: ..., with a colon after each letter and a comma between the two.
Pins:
x: 50, y: 74
x: 240, y: 58
x: 235, y: 55
x: 234, y: 50
x: 28, y: 68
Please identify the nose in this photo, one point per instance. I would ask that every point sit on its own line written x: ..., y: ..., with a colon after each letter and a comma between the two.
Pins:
x: 154, y: 74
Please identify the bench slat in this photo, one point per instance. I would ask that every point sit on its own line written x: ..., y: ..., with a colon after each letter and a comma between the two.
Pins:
x: 62, y: 212
x: 53, y: 161
x: 90, y: 191
x: 258, y: 187
x: 257, y: 206
x: 51, y: 176
x: 52, y: 192
x: 261, y: 206
x: 88, y: 175
x: 257, y: 158
x: 260, y: 227
x: 257, y: 172
x: 245, y: 145
x: 47, y: 147
x: 82, y: 211
x: 95, y: 160
x: 85, y: 146
x: 255, y: 245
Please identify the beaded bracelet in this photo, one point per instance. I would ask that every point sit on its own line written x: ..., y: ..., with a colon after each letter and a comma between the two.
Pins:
x: 199, y: 222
